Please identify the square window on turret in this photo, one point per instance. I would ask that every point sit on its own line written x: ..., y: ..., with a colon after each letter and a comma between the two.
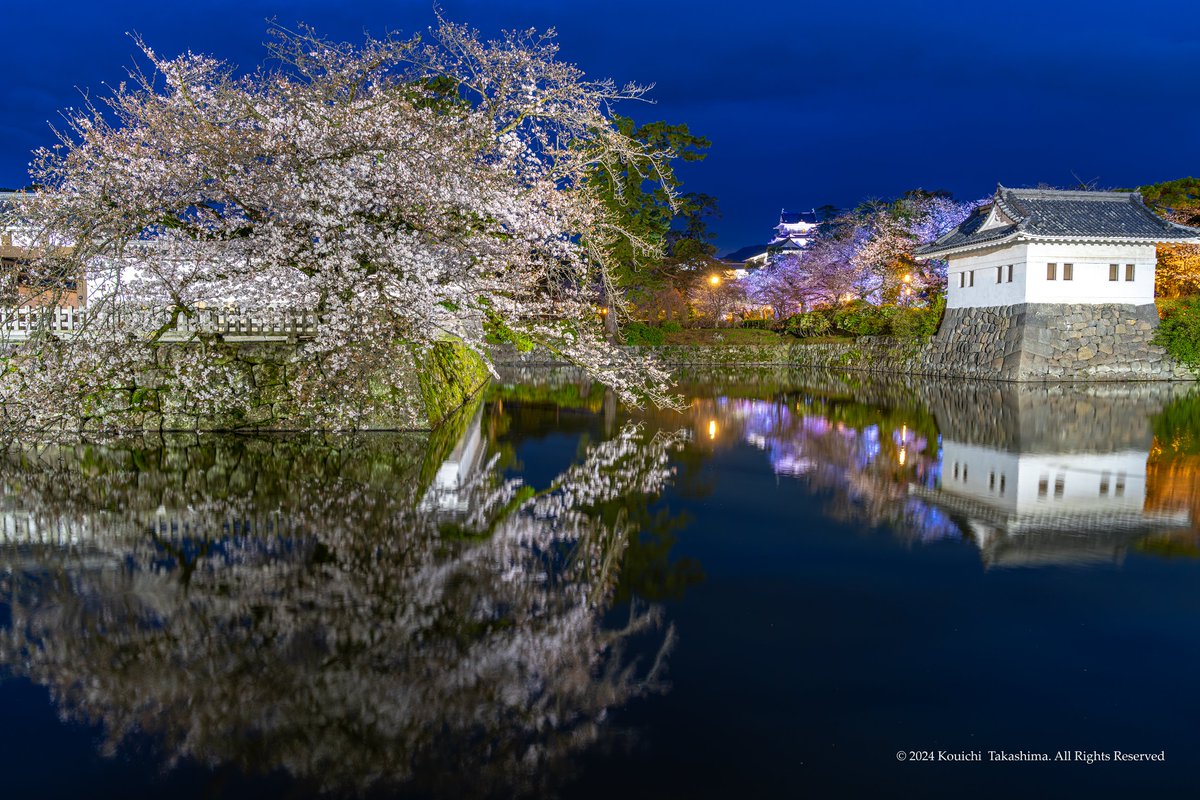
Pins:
x: 1114, y: 271
x: 1051, y: 272
x: 1068, y: 272
x: 1129, y: 272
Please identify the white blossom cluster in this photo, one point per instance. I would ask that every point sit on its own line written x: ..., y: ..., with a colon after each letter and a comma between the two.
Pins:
x: 405, y: 190
x: 297, y: 608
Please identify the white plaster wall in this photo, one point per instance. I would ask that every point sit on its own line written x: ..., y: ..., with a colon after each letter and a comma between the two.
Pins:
x: 1082, y: 476
x: 976, y: 473
x: 986, y: 292
x: 1089, y: 283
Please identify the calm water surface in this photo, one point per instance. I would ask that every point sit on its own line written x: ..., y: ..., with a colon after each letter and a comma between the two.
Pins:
x: 772, y: 594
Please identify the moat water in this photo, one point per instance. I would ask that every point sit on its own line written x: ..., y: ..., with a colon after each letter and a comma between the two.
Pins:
x: 806, y: 584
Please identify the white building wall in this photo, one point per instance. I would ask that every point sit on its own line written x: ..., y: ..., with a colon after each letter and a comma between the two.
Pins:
x: 1046, y: 483
x: 1089, y: 280
x: 986, y: 291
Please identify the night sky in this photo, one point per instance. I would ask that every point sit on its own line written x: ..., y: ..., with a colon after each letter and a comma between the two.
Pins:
x: 806, y: 103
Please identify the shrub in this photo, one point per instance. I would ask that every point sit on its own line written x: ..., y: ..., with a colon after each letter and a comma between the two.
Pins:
x: 670, y: 326
x: 860, y: 318
x: 641, y: 334
x: 918, y: 321
x: 1179, y: 333
x: 863, y: 319
x: 757, y: 324
x: 1168, y: 305
x: 812, y: 323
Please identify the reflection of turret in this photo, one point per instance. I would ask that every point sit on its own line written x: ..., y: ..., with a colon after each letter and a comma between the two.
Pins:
x: 1040, y: 484
x: 1049, y: 474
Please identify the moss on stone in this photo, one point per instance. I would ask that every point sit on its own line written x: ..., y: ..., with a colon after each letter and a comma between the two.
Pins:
x: 448, y: 375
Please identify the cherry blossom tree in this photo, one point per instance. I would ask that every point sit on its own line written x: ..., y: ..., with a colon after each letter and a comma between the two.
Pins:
x: 717, y: 298
x: 787, y: 285
x: 406, y: 191
x: 890, y: 232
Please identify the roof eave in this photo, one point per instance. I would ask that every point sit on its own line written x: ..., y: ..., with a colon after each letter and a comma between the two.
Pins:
x: 1075, y: 237
x: 1026, y: 238
x: 963, y: 248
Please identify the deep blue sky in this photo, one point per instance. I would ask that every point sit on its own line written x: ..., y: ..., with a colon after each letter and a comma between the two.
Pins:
x: 806, y: 103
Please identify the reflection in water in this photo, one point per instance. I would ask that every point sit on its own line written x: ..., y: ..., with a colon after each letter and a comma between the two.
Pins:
x: 1032, y: 474
x: 393, y: 608
x: 350, y: 611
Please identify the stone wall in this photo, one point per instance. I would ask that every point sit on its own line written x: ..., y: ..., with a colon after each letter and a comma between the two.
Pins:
x: 1027, y: 343
x: 253, y: 387
x: 1052, y: 342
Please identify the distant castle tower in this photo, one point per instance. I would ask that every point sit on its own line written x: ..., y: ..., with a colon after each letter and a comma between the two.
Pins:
x: 793, y: 233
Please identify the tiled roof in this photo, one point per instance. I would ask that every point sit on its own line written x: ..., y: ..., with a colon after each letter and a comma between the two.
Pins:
x: 792, y: 217
x: 7, y: 201
x: 1041, y: 214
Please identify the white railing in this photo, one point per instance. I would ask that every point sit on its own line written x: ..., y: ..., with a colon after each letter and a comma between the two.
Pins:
x: 18, y: 324
x: 230, y: 323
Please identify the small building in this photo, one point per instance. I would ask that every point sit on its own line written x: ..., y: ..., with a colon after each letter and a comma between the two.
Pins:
x: 18, y: 285
x: 1050, y: 246
x: 1054, y: 285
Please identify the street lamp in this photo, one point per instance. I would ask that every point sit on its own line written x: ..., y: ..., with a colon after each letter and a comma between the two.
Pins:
x: 715, y: 280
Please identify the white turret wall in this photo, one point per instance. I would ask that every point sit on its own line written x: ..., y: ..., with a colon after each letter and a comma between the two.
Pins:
x: 981, y: 280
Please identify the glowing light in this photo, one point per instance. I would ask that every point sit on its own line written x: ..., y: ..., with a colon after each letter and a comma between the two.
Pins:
x: 908, y: 278
x: 712, y: 429
x: 715, y: 280
x: 903, y: 455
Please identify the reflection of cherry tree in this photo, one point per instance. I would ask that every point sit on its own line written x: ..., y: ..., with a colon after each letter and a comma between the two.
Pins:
x: 865, y: 456
x: 296, y: 607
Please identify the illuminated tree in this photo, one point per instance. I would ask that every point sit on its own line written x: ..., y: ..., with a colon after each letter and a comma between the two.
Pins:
x: 891, y: 231
x: 405, y: 190
x: 1178, y: 272
x: 717, y: 298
